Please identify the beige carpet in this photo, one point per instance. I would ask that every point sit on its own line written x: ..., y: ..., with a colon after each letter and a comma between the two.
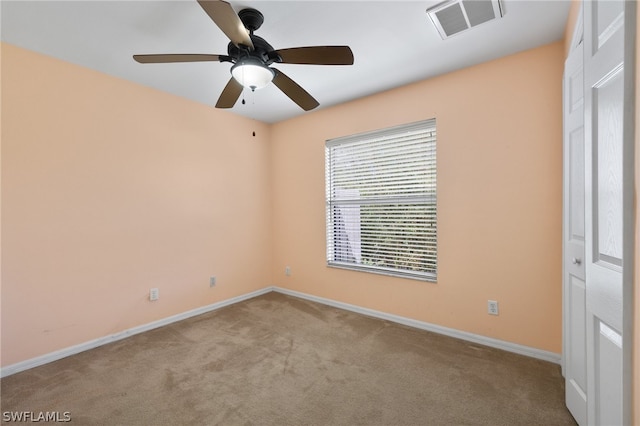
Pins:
x: 279, y: 360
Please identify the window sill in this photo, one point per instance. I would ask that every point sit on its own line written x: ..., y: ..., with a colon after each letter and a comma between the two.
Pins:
x: 431, y: 278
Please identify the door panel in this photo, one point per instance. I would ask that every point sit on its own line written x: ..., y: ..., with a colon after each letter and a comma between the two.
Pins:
x: 597, y: 257
x: 578, y: 368
x: 574, y: 289
x: 607, y: 104
x: 604, y: 112
x: 608, y: 353
x: 576, y: 183
x: 608, y: 19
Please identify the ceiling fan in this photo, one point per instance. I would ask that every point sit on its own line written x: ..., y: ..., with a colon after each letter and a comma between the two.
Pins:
x: 252, y: 56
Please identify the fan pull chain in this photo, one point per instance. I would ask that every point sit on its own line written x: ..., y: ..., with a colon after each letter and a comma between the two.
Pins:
x: 253, y: 104
x: 253, y: 109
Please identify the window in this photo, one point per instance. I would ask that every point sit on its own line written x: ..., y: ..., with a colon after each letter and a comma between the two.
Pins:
x: 381, y: 201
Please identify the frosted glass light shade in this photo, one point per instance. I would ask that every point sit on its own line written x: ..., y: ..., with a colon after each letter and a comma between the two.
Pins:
x: 252, y: 74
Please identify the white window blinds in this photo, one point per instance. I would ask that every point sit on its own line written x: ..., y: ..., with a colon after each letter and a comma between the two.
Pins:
x: 381, y: 201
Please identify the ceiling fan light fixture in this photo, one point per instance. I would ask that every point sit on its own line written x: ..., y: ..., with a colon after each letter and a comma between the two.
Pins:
x: 252, y: 74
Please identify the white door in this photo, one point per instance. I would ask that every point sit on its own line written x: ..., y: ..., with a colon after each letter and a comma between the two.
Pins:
x: 604, y: 255
x: 574, y: 288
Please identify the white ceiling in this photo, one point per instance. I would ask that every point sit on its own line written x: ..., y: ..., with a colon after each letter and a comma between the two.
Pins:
x: 394, y: 43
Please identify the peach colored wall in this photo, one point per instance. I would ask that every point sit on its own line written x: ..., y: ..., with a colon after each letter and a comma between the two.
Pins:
x: 110, y: 188
x: 499, y: 199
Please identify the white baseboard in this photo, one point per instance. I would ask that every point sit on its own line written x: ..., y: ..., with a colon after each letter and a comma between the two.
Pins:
x: 470, y: 337
x: 72, y: 350
x: 475, y: 338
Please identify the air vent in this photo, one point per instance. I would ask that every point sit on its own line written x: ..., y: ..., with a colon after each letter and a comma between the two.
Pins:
x: 455, y: 16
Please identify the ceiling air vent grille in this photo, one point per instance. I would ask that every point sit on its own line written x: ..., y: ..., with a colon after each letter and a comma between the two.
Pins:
x: 454, y: 16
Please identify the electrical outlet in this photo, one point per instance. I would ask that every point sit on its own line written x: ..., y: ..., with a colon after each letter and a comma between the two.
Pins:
x: 492, y: 307
x: 212, y: 281
x: 154, y: 294
x: 287, y: 271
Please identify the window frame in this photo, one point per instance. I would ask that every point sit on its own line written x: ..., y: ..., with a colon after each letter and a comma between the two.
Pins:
x: 337, y: 205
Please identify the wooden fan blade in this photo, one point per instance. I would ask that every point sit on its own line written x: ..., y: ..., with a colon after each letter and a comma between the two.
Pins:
x: 230, y: 94
x: 296, y: 93
x: 228, y: 21
x: 317, y: 55
x: 160, y: 59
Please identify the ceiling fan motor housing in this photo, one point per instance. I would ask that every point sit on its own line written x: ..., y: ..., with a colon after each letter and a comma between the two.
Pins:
x: 251, y: 18
x: 261, y: 50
